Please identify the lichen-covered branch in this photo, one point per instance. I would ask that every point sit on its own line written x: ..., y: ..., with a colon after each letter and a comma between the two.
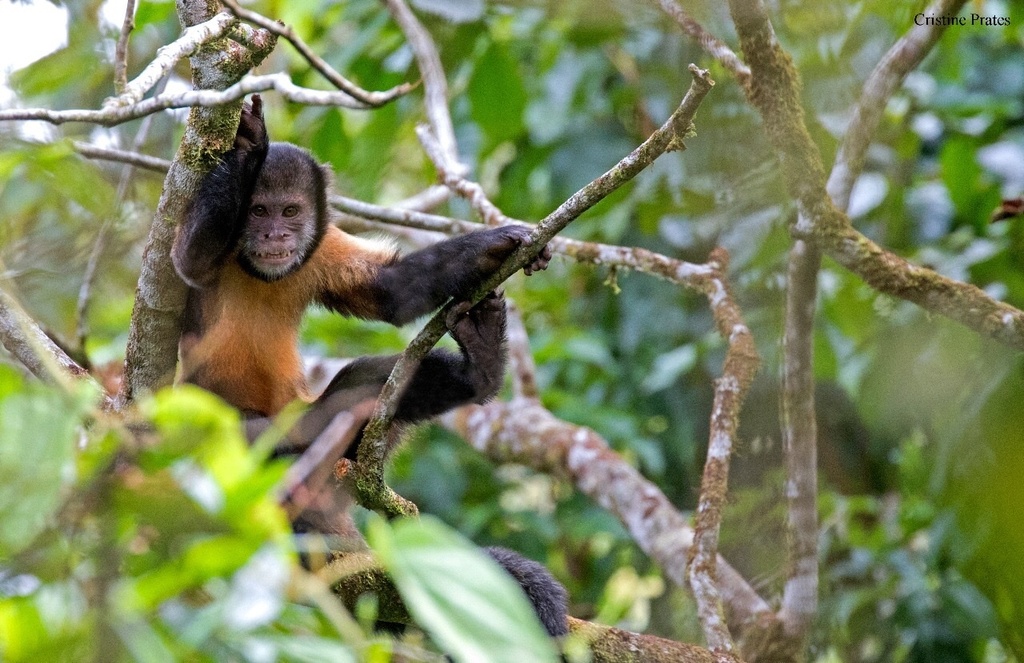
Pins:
x: 191, y: 39
x: 369, y: 472
x: 741, y: 362
x: 368, y: 98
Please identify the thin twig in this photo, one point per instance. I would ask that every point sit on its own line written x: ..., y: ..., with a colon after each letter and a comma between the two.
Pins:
x: 712, y: 45
x: 452, y: 177
x: 435, y: 84
x: 155, y: 164
x: 100, y: 244
x: 121, y: 51
x: 371, y: 99
x: 168, y: 56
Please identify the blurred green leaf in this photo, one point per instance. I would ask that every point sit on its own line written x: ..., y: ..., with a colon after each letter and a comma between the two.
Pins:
x: 475, y: 610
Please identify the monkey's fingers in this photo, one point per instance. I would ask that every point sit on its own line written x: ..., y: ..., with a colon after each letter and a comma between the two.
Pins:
x: 466, y: 311
x: 540, y: 262
x: 252, y: 130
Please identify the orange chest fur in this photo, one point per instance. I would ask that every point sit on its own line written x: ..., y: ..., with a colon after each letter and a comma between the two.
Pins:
x: 247, y: 352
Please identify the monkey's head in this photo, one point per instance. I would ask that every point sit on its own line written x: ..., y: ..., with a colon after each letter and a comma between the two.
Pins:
x: 288, y: 213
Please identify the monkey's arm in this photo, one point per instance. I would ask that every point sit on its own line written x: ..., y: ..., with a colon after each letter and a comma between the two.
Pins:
x: 214, y: 221
x: 424, y: 280
x: 443, y: 379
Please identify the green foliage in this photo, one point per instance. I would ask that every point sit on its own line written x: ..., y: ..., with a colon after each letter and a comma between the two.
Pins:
x: 920, y: 498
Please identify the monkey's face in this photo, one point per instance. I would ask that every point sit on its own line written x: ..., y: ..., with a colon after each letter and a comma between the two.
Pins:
x: 279, y: 234
x: 286, y: 216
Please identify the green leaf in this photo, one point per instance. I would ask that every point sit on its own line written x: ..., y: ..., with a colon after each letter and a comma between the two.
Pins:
x: 474, y: 610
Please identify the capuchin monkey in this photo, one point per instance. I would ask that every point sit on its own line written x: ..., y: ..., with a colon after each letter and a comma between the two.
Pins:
x: 257, y: 247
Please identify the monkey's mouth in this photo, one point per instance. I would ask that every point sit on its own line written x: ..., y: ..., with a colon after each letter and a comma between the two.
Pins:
x: 282, y: 257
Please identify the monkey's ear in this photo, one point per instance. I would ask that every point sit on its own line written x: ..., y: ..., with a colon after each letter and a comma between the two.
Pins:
x: 329, y: 179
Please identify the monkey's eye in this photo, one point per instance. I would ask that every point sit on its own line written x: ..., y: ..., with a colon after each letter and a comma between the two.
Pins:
x: 258, y: 210
x: 290, y: 211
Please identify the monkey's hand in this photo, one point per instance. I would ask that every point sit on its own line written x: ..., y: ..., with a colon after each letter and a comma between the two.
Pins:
x: 480, y: 332
x: 252, y: 130
x: 505, y: 240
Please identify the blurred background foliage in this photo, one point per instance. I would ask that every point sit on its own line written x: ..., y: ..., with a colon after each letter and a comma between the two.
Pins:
x: 920, y: 420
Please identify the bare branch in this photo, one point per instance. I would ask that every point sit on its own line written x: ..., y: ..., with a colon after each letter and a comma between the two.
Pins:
x: 633, y: 258
x: 369, y: 480
x: 451, y: 174
x: 741, y: 362
x: 100, y: 244
x: 27, y: 343
x: 121, y: 50
x: 145, y: 161
x: 115, y: 115
x: 168, y: 56
x: 435, y: 84
x: 370, y: 99
x: 712, y: 45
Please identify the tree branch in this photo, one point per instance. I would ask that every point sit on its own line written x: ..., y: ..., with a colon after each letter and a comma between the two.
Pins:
x: 711, y: 44
x: 121, y: 50
x: 203, y: 98
x: 775, y: 93
x: 368, y: 98
x: 741, y: 362
x: 27, y: 343
x: 168, y: 56
x: 890, y: 72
